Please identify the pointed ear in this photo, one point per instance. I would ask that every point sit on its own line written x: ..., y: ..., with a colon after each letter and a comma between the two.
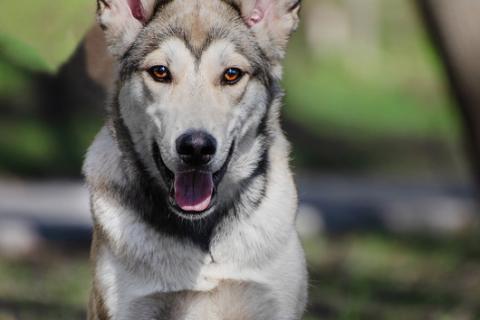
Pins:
x: 122, y: 20
x: 273, y: 21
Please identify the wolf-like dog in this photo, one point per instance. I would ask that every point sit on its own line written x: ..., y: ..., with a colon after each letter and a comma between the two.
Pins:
x: 193, y: 200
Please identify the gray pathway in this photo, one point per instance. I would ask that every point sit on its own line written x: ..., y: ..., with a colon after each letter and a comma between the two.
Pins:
x: 32, y: 213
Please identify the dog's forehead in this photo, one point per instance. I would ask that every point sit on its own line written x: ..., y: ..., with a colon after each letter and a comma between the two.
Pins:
x: 196, y: 20
x: 198, y: 23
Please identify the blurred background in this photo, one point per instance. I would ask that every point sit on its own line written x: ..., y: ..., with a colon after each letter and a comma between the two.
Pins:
x: 382, y: 104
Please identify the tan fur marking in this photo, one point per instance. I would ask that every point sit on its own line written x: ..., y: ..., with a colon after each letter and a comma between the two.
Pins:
x: 96, y: 306
x: 198, y: 31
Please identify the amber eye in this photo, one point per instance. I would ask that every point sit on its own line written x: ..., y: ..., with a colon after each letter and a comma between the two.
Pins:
x: 232, y: 76
x: 160, y: 73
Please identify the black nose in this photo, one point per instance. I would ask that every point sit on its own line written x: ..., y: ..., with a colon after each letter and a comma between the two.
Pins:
x: 196, y: 147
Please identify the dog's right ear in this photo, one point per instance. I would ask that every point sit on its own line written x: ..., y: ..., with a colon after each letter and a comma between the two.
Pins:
x: 272, y: 22
x: 122, y: 20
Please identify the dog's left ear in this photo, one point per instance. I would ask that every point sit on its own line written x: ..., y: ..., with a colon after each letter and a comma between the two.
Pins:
x: 272, y: 21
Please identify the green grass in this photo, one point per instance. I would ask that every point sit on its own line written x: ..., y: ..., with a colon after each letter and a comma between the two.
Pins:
x: 42, y: 288
x: 354, y: 276
x: 372, y: 276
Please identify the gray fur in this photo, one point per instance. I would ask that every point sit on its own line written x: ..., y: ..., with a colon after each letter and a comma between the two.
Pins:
x: 240, y: 259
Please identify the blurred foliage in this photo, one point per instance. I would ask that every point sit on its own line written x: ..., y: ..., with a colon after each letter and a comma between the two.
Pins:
x: 353, y: 96
x: 396, y: 90
x: 48, y: 30
x: 354, y: 276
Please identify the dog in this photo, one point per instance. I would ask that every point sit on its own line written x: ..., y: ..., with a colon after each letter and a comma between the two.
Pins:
x: 193, y: 200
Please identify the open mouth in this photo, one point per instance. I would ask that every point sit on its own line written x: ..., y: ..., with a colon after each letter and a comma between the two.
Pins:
x: 192, y: 191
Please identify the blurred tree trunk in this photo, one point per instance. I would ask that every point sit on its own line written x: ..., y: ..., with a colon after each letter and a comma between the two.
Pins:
x: 455, y: 28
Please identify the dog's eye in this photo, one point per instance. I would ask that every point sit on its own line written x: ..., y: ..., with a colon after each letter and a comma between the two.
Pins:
x: 232, y: 76
x: 160, y: 73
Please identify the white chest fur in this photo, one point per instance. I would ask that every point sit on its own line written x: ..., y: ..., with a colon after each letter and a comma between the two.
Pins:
x: 262, y: 247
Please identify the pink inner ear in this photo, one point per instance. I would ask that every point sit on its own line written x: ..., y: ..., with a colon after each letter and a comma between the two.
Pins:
x: 255, y: 17
x: 137, y: 10
x: 259, y: 12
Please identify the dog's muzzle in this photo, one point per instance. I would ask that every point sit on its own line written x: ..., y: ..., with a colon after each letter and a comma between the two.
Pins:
x: 193, y: 188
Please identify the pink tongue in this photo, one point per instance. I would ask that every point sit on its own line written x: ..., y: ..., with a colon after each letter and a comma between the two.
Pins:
x: 193, y: 190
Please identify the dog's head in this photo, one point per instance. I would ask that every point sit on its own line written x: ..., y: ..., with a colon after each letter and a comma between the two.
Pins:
x: 195, y: 86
